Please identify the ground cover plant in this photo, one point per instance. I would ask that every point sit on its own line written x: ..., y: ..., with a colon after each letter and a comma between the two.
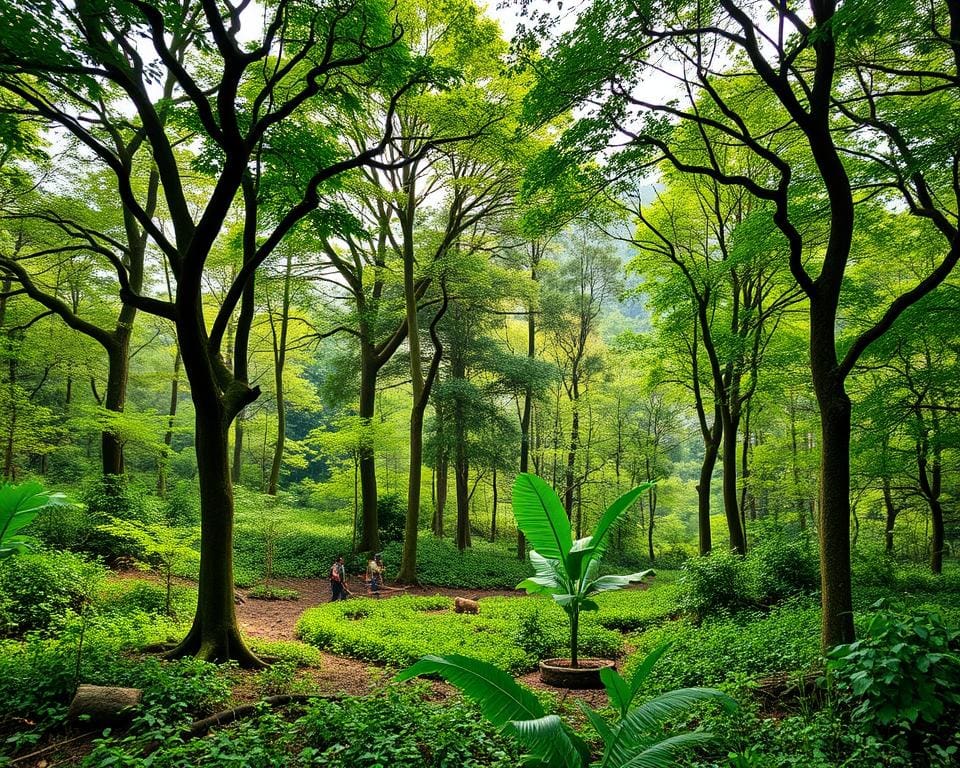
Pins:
x: 510, y: 632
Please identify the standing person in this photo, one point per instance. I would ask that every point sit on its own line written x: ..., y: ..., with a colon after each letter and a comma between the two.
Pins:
x: 337, y: 579
x: 375, y: 574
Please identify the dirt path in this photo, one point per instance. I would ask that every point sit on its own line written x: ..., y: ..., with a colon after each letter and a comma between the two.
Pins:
x: 277, y: 619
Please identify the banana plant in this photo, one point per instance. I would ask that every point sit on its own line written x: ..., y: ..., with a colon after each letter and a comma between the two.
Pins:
x: 19, y: 505
x: 565, y: 569
x: 634, y: 739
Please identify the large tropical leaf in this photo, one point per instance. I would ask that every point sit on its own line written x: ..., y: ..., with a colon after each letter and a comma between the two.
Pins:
x: 648, y: 718
x: 549, y: 576
x: 621, y: 692
x: 614, y: 581
x: 664, y: 753
x: 540, y: 515
x: 548, y: 740
x: 19, y: 505
x: 498, y: 695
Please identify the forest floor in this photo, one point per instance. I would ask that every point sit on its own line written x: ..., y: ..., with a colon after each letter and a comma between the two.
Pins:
x: 277, y: 619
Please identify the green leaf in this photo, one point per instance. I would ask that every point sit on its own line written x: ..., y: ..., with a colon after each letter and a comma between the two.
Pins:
x: 663, y: 754
x: 618, y: 691
x: 540, y: 515
x: 648, y: 718
x: 642, y: 672
x: 547, y: 739
x: 614, y: 581
x: 498, y: 695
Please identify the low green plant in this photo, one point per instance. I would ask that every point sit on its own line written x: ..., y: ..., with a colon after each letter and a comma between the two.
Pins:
x: 565, y: 569
x: 127, y: 596
x: 747, y: 646
x: 634, y: 738
x: 37, y: 589
x: 402, y: 629
x: 902, y: 676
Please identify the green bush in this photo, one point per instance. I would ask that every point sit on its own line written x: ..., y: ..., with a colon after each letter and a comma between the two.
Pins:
x: 783, y: 568
x: 391, y: 517
x: 264, y: 592
x: 115, y: 497
x: 38, y: 675
x: 717, y: 582
x: 125, y: 596
x: 400, y: 728
x: 748, y: 645
x: 635, y: 609
x: 182, y: 506
x: 38, y: 589
x: 903, y: 676
x: 483, y: 566
x: 873, y: 568
x: 400, y: 630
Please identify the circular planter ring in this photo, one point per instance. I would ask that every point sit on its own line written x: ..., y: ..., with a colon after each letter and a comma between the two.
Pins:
x: 559, y: 674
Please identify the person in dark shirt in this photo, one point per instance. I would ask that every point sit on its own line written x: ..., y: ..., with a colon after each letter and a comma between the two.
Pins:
x: 337, y: 580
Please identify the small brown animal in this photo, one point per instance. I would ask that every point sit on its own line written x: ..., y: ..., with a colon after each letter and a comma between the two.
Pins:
x: 462, y: 605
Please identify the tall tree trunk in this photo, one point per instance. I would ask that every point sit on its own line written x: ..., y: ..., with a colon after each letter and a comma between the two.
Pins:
x: 462, y: 472
x: 215, y: 634
x: 114, y: 399
x: 493, y: 514
x: 834, y: 523
x: 422, y: 384
x: 704, y: 487
x: 652, y: 503
x: 731, y: 505
x: 442, y: 478
x: 279, y: 360
x: 568, y: 476
x: 891, y: 514
x: 370, y: 538
x: 168, y: 434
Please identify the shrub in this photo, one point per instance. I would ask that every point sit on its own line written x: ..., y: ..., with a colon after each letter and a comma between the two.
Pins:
x: 873, y: 568
x: 299, y: 654
x: 128, y: 596
x: 399, y: 728
x: 400, y: 630
x: 902, y: 676
x: 391, y: 517
x: 749, y: 645
x: 38, y: 589
x: 38, y: 676
x: 109, y: 498
x: 483, y: 566
x: 783, y: 569
x: 718, y: 582
x: 636, y: 609
x: 183, y: 504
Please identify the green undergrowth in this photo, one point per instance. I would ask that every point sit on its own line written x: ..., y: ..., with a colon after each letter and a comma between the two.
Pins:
x: 723, y: 649
x: 511, y: 632
x: 39, y: 674
x: 399, y: 726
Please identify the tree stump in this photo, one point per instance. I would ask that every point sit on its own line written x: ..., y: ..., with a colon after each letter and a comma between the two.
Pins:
x: 104, y: 704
